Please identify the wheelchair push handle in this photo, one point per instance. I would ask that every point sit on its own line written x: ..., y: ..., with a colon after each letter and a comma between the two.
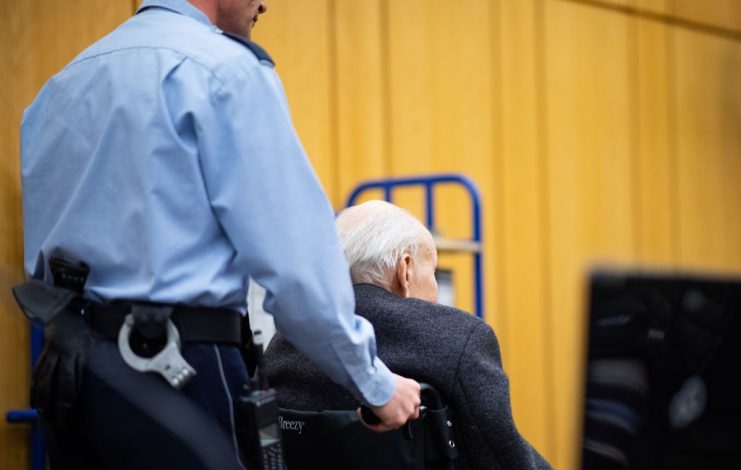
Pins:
x: 369, y: 416
x: 429, y: 397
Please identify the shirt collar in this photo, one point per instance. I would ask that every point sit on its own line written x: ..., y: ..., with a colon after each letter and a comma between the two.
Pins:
x: 178, y: 6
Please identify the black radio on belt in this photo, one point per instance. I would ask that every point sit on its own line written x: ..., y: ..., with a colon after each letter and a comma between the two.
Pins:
x: 262, y: 436
x: 69, y: 275
x: 259, y: 429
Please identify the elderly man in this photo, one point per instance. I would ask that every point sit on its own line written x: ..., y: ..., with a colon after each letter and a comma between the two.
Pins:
x: 392, y: 260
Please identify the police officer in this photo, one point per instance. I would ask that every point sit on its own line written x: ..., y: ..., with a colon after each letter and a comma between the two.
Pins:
x: 164, y: 158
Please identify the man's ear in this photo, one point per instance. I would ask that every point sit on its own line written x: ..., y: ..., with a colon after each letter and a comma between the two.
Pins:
x: 403, y: 275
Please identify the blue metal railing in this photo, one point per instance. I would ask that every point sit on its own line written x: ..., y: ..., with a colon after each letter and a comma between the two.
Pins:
x: 428, y: 183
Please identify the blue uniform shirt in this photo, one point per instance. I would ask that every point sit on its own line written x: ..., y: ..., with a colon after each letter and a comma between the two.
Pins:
x: 164, y: 156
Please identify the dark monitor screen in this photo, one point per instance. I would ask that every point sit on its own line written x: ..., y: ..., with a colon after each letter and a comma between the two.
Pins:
x: 662, y: 372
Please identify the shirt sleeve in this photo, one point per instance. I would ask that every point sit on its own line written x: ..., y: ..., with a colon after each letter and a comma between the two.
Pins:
x: 483, y: 390
x: 276, y: 215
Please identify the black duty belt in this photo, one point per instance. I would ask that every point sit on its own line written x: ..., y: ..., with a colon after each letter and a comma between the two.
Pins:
x: 195, y: 324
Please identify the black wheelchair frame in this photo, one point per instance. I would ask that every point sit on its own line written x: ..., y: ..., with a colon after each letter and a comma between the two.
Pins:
x: 337, y: 439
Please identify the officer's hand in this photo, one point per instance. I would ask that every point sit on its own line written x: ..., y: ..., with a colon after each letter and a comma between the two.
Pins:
x: 403, y: 406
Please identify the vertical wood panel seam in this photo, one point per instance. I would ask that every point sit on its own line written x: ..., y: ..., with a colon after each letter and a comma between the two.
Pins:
x: 634, y: 129
x: 386, y: 158
x: 495, y: 68
x: 671, y: 73
x: 544, y: 209
x: 334, y: 136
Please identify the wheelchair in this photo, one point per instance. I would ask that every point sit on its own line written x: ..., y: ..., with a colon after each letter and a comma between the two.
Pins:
x: 338, y: 440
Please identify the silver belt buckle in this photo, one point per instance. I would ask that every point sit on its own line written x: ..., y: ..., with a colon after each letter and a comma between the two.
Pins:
x: 169, y: 363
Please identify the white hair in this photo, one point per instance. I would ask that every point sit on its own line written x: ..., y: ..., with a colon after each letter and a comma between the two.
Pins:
x: 374, y: 237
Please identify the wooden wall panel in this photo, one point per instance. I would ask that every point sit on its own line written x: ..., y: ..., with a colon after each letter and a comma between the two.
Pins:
x: 410, y: 36
x: 656, y: 195
x: 38, y: 38
x: 654, y: 6
x: 708, y: 113
x: 618, y: 3
x: 465, y: 130
x: 14, y: 369
x: 440, y: 115
x: 362, y: 107
x: 298, y: 35
x: 522, y: 255
x: 721, y: 17
x: 724, y: 14
x: 410, y: 58
x: 589, y: 184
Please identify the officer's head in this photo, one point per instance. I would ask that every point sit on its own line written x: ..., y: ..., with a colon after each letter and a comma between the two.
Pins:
x: 232, y: 16
x: 386, y: 246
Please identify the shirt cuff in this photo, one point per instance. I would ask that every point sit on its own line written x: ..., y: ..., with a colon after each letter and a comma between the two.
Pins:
x: 379, y: 387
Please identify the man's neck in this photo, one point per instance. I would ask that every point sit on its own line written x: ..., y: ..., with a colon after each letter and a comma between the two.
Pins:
x: 208, y: 7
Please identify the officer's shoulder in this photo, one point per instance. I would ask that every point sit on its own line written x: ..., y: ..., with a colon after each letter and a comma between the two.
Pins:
x: 208, y: 42
x: 255, y: 49
x: 232, y: 58
x: 208, y: 46
x: 225, y: 53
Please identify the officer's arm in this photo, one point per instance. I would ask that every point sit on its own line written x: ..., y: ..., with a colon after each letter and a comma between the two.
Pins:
x: 272, y: 207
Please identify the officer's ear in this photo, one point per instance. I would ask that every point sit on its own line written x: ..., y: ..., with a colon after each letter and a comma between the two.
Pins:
x: 403, y: 277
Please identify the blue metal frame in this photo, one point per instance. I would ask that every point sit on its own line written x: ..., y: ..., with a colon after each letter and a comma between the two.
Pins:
x: 38, y: 459
x: 428, y: 183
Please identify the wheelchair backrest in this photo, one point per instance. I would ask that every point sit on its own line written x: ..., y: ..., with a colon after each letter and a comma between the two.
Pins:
x: 336, y: 439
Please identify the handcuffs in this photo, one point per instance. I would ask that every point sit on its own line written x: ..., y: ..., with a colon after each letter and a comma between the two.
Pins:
x: 169, y: 363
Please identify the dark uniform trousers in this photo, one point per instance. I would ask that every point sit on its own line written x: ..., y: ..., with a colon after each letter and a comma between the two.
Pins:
x: 132, y: 420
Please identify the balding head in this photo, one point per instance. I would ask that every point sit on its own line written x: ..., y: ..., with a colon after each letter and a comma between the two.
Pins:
x: 386, y: 246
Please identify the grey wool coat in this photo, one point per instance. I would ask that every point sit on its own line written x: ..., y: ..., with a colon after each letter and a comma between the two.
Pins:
x: 453, y: 351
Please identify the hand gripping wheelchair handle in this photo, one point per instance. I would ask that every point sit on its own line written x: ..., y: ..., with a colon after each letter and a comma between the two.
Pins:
x: 429, y: 397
